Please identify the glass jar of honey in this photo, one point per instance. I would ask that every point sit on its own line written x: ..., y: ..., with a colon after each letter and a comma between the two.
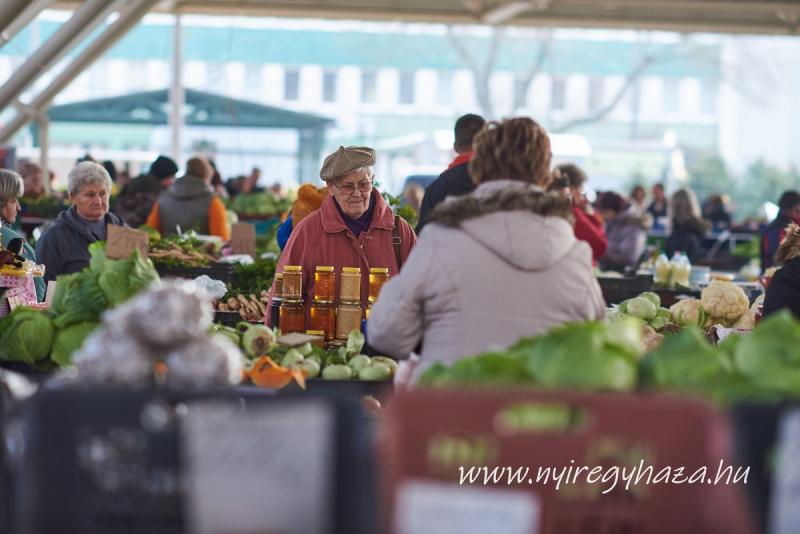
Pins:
x: 322, y: 316
x: 324, y: 283
x: 275, y: 304
x: 348, y: 318
x: 350, y: 290
x: 292, y: 316
x: 377, y: 277
x: 292, y: 288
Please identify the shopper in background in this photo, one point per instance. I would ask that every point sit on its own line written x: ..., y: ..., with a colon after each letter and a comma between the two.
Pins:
x: 638, y: 198
x: 11, y: 189
x: 136, y: 200
x: 658, y: 208
x: 190, y: 204
x: 688, y: 226
x: 456, y: 180
x: 492, y: 266
x: 309, y: 199
x: 774, y: 233
x: 715, y: 211
x: 33, y: 178
x: 783, y: 291
x: 354, y: 226
x: 64, y: 246
x: 588, y: 225
x: 626, y: 230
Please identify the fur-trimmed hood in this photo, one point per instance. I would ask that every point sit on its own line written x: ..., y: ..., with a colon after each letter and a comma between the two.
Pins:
x: 789, y: 248
x: 528, y: 228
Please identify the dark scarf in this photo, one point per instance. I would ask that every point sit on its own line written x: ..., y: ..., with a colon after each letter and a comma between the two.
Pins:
x: 357, y: 226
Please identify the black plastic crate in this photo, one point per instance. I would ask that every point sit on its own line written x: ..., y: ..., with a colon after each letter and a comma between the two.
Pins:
x: 111, y: 460
x: 615, y: 290
x: 221, y: 271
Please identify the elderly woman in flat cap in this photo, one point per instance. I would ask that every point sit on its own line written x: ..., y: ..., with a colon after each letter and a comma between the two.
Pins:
x: 354, y: 226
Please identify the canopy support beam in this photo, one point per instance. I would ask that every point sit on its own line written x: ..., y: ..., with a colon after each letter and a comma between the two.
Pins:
x: 128, y: 17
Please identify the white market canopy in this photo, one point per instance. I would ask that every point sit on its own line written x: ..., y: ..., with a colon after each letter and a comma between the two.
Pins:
x: 727, y: 16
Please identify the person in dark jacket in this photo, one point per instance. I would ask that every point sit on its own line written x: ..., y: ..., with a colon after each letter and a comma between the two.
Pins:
x: 773, y: 234
x: 64, y: 246
x: 137, y: 198
x: 455, y: 181
x: 190, y: 204
x: 688, y: 227
x: 784, y: 289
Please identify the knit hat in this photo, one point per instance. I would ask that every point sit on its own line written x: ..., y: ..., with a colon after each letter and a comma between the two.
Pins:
x: 346, y: 160
x: 309, y: 199
x: 163, y: 167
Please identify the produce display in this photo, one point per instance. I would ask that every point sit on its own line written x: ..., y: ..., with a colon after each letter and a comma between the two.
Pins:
x: 47, y: 339
x: 763, y: 364
x: 264, y: 203
x: 270, y: 364
x: 174, y: 347
x: 723, y: 303
x: 248, y: 292
x: 179, y: 252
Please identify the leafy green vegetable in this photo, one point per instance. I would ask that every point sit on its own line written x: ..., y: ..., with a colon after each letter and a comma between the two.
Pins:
x: 70, y: 339
x: 27, y: 336
x: 768, y: 356
x: 355, y: 342
x: 489, y: 369
x: 685, y: 361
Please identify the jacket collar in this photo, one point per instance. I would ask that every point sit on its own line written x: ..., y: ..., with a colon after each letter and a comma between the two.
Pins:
x: 461, y: 159
x: 71, y: 218
x: 332, y: 221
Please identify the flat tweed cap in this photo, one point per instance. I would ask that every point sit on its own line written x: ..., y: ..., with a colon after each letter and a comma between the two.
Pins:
x: 346, y: 160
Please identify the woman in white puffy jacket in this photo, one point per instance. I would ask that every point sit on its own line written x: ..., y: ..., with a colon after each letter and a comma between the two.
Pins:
x: 493, y: 266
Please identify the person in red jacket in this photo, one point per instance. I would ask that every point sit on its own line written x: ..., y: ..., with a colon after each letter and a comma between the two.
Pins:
x: 588, y: 225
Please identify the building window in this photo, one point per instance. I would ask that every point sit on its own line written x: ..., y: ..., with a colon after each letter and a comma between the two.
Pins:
x: 291, y: 84
x: 406, y: 87
x: 596, y: 93
x: 369, y: 83
x: 708, y: 97
x: 558, y: 94
x: 671, y: 96
x: 521, y: 92
x: 329, y: 79
x: 253, y: 81
x: 444, y: 88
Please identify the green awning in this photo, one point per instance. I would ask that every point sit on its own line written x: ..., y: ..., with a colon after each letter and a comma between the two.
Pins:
x: 201, y: 109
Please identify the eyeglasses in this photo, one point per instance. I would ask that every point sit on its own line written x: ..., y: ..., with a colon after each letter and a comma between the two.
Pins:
x: 350, y: 188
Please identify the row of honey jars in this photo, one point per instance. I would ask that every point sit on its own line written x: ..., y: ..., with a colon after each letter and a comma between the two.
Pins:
x: 349, y: 312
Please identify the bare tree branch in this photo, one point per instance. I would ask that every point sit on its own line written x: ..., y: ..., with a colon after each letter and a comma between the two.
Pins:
x: 545, y: 47
x: 481, y: 73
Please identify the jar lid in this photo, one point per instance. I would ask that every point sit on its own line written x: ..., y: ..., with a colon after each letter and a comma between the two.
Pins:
x: 292, y: 301
x: 351, y: 270
x: 379, y: 270
x: 278, y: 276
x: 315, y: 332
x: 325, y: 302
x: 292, y: 268
x: 351, y: 302
x: 325, y: 268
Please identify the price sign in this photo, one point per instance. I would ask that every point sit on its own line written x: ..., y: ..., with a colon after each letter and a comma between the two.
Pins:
x: 123, y: 241
x: 251, y: 471
x: 243, y: 239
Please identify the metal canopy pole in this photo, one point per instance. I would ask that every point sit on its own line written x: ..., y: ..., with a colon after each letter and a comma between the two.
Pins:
x: 43, y: 122
x: 82, y: 22
x: 128, y: 18
x: 25, y: 18
x: 177, y: 95
x: 10, y: 10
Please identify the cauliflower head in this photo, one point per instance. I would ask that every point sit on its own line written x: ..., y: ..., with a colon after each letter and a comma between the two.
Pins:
x: 688, y: 312
x: 746, y: 322
x: 724, y: 300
